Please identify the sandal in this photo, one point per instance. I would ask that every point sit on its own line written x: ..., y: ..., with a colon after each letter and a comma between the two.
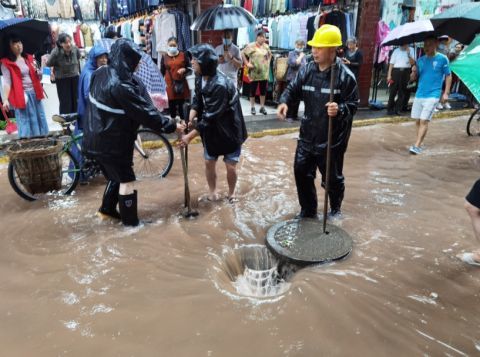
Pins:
x: 232, y: 199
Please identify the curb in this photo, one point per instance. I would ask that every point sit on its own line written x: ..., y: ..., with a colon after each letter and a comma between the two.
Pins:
x: 366, y: 122
x: 356, y: 124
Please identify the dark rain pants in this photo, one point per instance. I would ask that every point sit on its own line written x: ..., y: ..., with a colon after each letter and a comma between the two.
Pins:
x: 305, y: 168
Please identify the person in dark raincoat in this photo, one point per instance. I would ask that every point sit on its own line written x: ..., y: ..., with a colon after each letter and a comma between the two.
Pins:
x: 312, y: 85
x: 117, y: 106
x: 216, y: 105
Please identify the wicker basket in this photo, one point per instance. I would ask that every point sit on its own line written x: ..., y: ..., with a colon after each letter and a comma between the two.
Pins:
x: 37, y: 164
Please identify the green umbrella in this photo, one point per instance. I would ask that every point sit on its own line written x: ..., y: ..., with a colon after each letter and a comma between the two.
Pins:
x: 461, y: 22
x: 465, y: 67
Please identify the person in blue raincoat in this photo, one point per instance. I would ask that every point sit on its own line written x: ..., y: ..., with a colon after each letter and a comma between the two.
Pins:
x: 97, y: 57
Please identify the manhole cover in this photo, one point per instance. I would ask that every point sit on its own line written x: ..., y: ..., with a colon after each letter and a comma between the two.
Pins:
x: 303, y: 242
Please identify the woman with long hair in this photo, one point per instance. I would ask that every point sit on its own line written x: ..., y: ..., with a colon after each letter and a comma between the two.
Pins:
x: 22, y: 90
x: 65, y: 60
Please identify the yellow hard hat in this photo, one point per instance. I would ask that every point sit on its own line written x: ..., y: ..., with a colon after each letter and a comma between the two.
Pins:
x: 326, y: 36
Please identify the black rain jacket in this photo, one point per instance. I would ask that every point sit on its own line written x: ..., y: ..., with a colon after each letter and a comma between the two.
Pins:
x: 118, y: 104
x: 313, y: 87
x: 220, y: 118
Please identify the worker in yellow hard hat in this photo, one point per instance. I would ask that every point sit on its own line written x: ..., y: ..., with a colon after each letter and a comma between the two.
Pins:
x: 312, y: 85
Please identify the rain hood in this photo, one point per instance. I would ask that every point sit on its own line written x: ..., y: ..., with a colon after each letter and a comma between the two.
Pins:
x: 206, y: 58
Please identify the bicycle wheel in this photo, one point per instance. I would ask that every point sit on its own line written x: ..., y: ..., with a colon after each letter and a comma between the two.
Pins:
x: 473, y: 125
x: 153, y: 155
x: 70, y: 177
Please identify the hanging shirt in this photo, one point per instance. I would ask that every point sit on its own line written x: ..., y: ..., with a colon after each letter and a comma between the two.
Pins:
x: 243, y: 38
x: 66, y: 9
x: 53, y: 8
x: 165, y: 27
x: 87, y: 35
x: 136, y: 31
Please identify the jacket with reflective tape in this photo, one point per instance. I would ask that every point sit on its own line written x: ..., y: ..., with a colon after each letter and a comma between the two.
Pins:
x: 313, y: 87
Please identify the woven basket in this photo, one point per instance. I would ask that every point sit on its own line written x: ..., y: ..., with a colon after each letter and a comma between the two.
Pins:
x: 37, y: 163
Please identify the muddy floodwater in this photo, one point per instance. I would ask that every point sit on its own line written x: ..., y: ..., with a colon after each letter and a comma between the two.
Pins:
x: 72, y: 285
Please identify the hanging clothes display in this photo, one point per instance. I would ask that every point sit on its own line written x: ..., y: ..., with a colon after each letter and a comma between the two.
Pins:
x: 165, y: 27
x: 77, y: 11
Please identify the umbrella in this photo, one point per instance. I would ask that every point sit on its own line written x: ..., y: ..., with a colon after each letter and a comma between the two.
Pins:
x: 461, y: 22
x: 465, y: 67
x: 410, y: 32
x: 223, y: 17
x: 32, y: 33
x: 148, y: 71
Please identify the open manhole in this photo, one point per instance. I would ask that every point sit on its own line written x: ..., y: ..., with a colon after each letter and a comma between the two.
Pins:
x: 252, y: 271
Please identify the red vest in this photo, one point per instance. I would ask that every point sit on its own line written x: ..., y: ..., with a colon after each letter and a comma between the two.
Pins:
x: 17, y: 95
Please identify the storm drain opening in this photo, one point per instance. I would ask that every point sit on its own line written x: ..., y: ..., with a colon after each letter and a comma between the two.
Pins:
x: 253, y: 271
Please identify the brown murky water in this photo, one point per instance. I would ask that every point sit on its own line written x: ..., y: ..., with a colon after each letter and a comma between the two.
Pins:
x: 72, y: 285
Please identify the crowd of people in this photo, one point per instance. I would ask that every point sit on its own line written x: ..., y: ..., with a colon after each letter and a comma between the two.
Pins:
x: 112, y: 103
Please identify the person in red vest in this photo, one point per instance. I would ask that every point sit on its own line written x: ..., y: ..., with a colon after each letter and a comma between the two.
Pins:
x: 22, y: 90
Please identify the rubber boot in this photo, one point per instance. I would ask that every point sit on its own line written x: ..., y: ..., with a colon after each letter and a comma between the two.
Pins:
x: 110, y: 201
x: 336, y: 199
x: 128, y: 209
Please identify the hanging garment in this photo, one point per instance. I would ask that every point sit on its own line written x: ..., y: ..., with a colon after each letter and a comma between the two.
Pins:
x: 165, y: 27
x: 77, y: 11
x: 53, y: 8
x: 382, y: 51
x: 66, y: 9
x: 87, y: 35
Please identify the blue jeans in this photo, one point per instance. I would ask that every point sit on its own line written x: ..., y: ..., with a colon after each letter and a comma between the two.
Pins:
x: 31, y: 121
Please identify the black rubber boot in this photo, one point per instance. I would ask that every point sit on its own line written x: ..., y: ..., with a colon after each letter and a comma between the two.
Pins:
x: 128, y: 209
x: 303, y: 214
x: 336, y: 198
x: 110, y: 200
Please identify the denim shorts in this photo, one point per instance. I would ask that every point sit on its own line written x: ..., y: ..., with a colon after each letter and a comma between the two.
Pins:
x: 233, y: 157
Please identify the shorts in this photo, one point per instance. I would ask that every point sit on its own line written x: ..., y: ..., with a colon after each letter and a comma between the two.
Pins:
x: 255, y: 84
x: 118, y: 172
x: 234, y: 157
x: 423, y: 108
x: 473, y: 196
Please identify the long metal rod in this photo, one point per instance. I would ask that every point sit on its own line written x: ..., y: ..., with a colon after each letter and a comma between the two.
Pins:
x: 329, y: 142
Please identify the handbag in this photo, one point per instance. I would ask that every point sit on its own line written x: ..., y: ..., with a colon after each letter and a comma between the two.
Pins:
x: 281, y: 67
x: 11, y: 126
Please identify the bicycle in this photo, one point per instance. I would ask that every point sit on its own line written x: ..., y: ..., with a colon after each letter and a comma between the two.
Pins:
x: 153, y: 158
x: 473, y: 125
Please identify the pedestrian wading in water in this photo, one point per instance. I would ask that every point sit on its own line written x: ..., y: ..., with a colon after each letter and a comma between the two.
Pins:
x: 117, y: 106
x: 220, y: 123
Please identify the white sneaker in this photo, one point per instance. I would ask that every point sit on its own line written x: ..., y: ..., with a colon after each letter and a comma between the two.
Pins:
x: 447, y: 106
x: 439, y: 106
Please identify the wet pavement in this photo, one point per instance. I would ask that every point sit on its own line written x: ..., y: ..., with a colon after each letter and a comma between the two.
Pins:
x: 72, y: 285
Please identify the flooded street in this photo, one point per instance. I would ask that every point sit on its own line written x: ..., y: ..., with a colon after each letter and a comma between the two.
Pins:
x: 72, y: 285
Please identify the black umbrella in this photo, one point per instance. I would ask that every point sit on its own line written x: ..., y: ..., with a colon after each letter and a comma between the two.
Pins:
x: 461, y: 22
x: 32, y: 33
x: 223, y: 17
